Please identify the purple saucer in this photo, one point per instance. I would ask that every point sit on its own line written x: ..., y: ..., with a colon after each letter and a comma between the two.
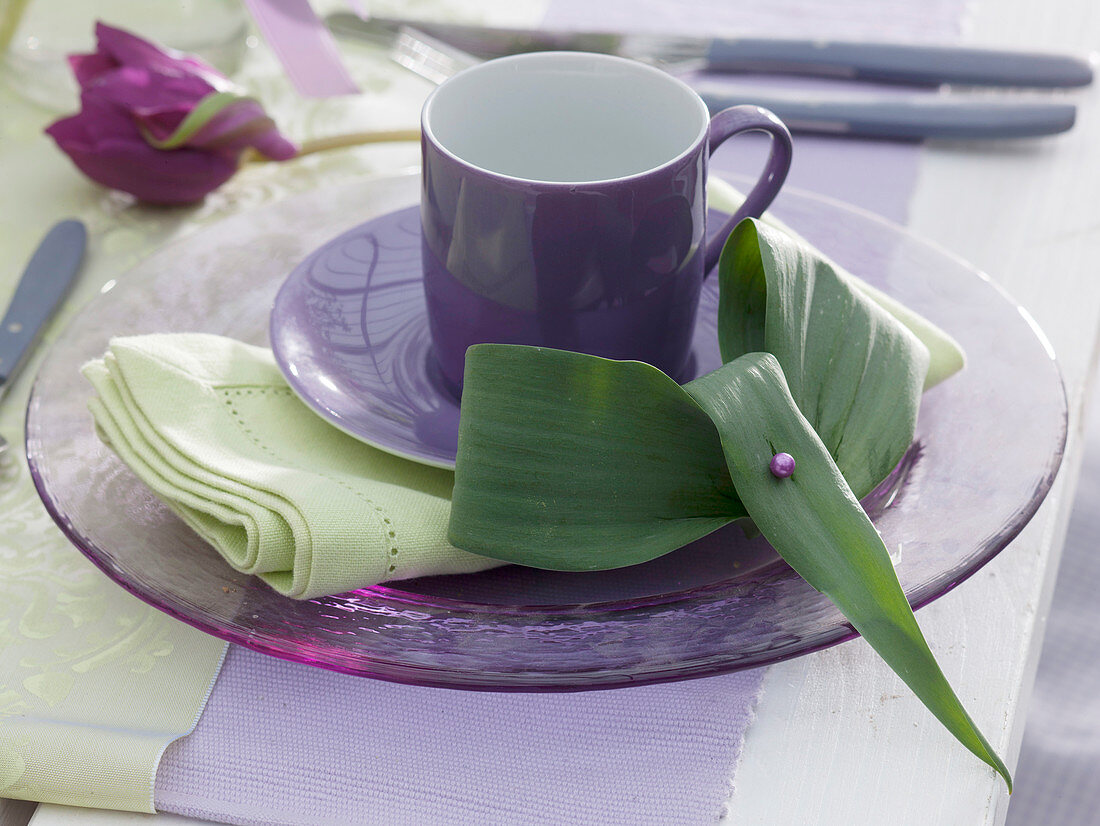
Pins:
x: 349, y: 329
x: 989, y: 442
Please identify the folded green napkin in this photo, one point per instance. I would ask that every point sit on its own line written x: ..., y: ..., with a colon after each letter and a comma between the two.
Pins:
x: 210, y: 425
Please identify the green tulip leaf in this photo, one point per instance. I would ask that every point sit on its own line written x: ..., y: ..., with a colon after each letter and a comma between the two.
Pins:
x: 204, y: 112
x: 573, y: 462
x: 815, y: 522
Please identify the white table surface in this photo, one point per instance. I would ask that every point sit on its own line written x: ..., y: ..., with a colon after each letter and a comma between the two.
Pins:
x: 837, y: 738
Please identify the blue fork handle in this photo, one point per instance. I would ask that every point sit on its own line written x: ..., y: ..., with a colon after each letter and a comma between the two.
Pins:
x: 909, y: 118
x: 899, y: 63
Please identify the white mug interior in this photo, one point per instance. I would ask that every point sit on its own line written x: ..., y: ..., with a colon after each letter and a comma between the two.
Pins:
x: 565, y: 117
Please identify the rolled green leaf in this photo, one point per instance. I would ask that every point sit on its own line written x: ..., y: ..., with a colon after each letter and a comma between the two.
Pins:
x: 946, y: 356
x: 629, y: 474
x: 573, y: 462
x: 577, y: 463
x: 854, y: 370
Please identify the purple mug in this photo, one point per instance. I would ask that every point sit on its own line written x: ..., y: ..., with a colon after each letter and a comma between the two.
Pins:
x: 563, y: 204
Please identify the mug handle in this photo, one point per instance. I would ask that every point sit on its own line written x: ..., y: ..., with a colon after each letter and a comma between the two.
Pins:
x: 734, y: 121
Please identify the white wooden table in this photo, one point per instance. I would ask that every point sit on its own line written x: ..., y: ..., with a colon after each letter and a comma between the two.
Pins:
x: 837, y: 737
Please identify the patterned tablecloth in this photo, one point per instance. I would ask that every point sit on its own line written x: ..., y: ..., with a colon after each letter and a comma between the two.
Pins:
x: 75, y: 649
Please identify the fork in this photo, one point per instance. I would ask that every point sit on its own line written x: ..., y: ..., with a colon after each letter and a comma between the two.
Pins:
x: 886, y: 62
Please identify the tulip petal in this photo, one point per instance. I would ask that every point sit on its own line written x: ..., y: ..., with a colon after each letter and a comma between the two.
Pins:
x: 146, y: 90
x: 273, y: 145
x: 156, y: 177
x: 241, y: 124
x: 96, y: 121
x: 105, y: 145
x: 159, y: 124
x: 88, y: 68
x: 130, y: 50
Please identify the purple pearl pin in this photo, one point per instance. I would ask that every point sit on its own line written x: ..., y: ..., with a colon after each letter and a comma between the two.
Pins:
x: 782, y: 465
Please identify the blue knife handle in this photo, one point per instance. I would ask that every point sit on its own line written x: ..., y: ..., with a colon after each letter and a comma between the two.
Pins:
x: 46, y: 280
x: 899, y: 63
x: 910, y: 119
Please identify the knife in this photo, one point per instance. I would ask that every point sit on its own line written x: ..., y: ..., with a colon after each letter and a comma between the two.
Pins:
x: 884, y: 62
x: 45, y: 281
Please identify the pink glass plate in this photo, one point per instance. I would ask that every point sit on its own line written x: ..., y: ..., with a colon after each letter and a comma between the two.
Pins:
x: 988, y: 445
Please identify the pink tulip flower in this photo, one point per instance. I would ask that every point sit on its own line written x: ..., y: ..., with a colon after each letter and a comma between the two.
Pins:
x: 159, y: 124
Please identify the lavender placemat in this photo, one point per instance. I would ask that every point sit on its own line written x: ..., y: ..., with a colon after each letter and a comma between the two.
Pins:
x: 286, y: 743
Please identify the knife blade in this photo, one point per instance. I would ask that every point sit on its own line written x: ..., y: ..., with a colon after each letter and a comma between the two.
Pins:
x: 884, y: 62
x: 45, y: 282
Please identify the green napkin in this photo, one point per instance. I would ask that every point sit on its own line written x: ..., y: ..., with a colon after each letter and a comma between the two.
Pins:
x: 210, y: 425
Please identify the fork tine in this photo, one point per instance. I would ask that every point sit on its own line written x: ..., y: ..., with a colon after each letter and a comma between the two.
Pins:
x: 428, y: 57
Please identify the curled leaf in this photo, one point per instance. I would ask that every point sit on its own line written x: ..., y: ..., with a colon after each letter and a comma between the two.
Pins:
x: 633, y: 470
x: 814, y: 521
x: 573, y: 462
x: 855, y: 372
